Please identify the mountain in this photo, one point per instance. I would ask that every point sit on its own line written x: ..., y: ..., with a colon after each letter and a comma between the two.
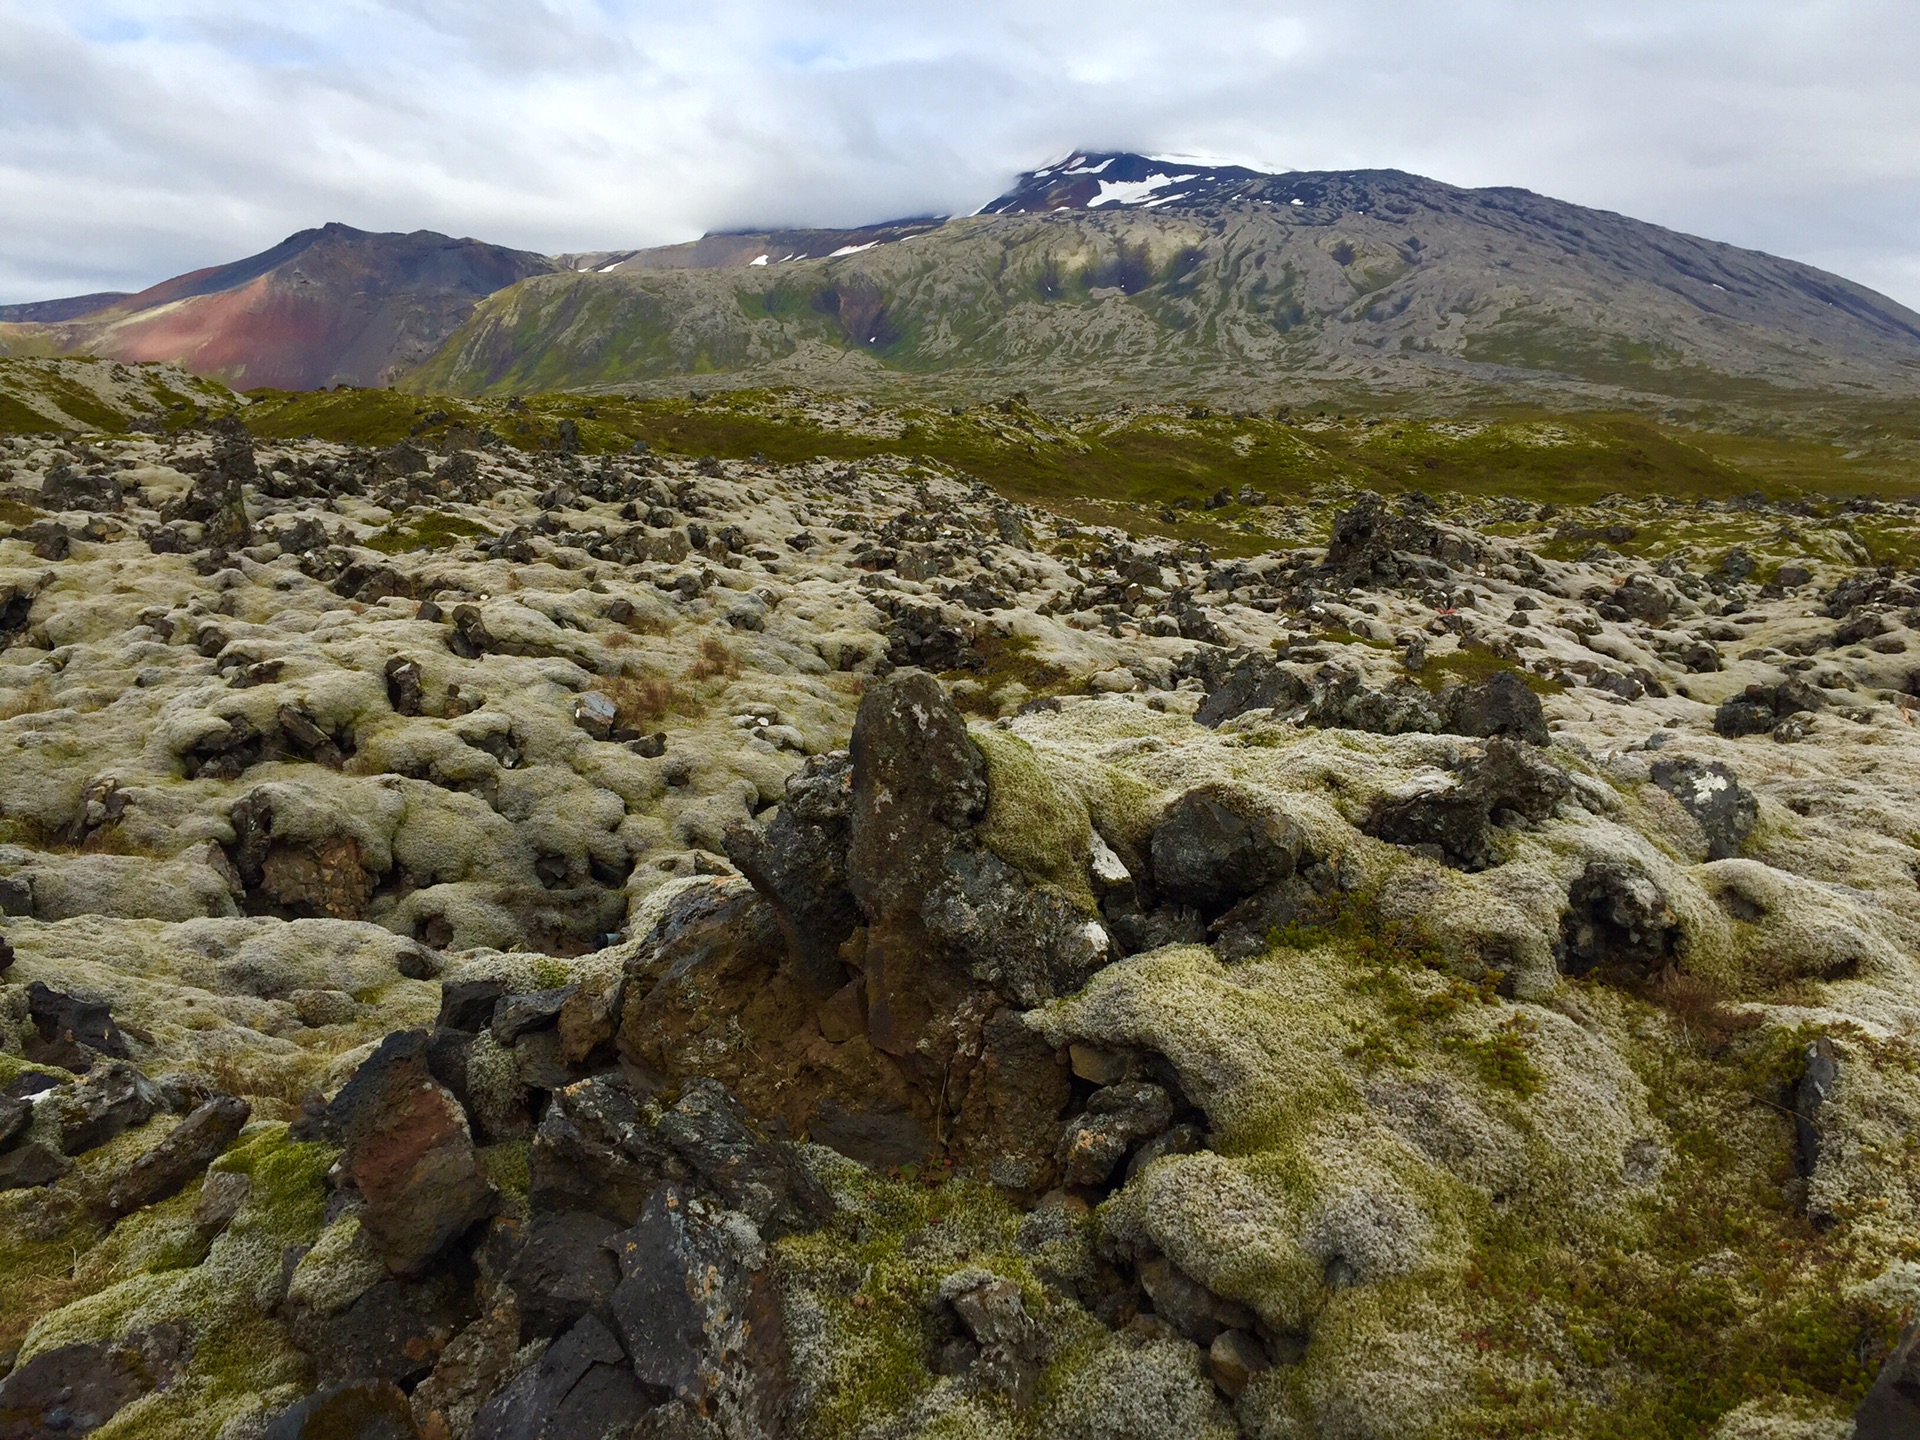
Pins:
x: 1112, y: 273
x: 1104, y: 275
x: 324, y: 307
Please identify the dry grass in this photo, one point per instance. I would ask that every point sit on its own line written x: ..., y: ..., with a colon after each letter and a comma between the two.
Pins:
x: 1698, y: 1007
x: 716, y: 661
x: 641, y: 700
x: 31, y: 701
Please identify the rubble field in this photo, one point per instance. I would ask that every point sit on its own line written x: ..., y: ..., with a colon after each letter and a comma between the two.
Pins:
x: 511, y: 945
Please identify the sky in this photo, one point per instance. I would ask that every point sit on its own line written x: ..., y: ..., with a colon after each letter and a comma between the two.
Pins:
x: 143, y: 138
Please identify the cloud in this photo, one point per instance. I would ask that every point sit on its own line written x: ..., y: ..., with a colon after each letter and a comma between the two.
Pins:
x: 144, y: 137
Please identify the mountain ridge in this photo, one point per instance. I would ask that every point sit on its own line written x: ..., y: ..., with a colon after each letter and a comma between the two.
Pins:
x: 1105, y: 270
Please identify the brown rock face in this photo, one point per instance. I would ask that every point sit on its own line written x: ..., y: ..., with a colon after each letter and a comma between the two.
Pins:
x: 898, y: 1044
x: 410, y: 1154
x: 918, y: 783
x: 714, y: 992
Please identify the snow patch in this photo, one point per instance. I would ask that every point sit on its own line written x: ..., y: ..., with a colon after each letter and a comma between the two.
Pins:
x: 614, y: 266
x: 758, y: 260
x: 1132, y: 192
x: 1080, y: 169
x: 852, y: 249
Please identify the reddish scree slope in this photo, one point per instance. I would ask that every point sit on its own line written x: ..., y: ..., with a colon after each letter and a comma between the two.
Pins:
x: 329, y: 306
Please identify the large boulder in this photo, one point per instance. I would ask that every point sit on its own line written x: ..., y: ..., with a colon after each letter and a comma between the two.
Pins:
x: 698, y: 1313
x: 1216, y: 845
x: 1714, y: 796
x: 410, y: 1155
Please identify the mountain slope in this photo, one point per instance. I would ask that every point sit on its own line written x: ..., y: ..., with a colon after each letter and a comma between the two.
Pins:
x: 323, y: 307
x: 1220, y: 281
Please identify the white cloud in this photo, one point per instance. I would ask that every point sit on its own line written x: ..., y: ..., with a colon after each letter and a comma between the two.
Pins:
x: 139, y: 138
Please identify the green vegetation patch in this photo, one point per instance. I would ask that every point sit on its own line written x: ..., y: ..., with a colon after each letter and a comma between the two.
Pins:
x: 424, y: 530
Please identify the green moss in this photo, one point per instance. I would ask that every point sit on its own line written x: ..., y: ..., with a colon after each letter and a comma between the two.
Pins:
x: 1475, y: 665
x: 424, y: 530
x: 1418, y: 999
x: 997, y: 661
x: 1035, y: 822
x: 872, y: 1275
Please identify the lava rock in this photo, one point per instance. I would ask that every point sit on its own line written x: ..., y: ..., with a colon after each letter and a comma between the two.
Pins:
x: 1215, y: 845
x: 1451, y: 821
x: 109, y: 1100
x: 1891, y: 1409
x: 1817, y: 1084
x: 1618, y: 920
x: 1009, y: 1346
x: 1499, y: 705
x: 1710, y: 793
x: 697, y: 1311
x: 196, y: 1142
x: 517, y: 1015
x: 1758, y: 708
x: 763, y: 1179
x: 362, y: 1410
x: 410, y: 1154
x: 404, y: 686
x: 30, y: 1165
x: 1117, y: 1117
x: 70, y: 1032
x: 75, y: 1389
x: 594, y: 1150
x: 563, y: 1271
x: 469, y: 1004
x: 799, y: 862
x: 580, y: 1389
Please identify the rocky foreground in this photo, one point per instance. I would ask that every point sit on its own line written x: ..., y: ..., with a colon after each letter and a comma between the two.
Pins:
x: 510, y: 945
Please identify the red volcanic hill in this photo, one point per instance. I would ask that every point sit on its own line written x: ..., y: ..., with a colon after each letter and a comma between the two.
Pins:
x: 324, y: 307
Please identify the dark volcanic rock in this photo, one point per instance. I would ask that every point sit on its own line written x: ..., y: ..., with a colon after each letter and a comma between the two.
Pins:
x: 110, y: 1099
x: 218, y: 498
x: 393, y: 1331
x: 71, y: 1033
x: 799, y: 862
x: 581, y: 1389
x: 1618, y: 921
x: 1508, y: 784
x: 188, y: 1149
x: 595, y: 1151
x: 1891, y: 1409
x: 75, y: 1389
x: 699, y: 1316
x: 1216, y: 845
x: 1711, y: 794
x: 1500, y: 705
x: 563, y: 1271
x: 763, y: 1179
x: 363, y: 1410
x: 410, y: 1154
x: 1117, y: 1118
x: 1758, y: 708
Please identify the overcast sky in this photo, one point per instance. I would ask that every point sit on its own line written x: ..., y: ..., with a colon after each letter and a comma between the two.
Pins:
x: 141, y: 138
